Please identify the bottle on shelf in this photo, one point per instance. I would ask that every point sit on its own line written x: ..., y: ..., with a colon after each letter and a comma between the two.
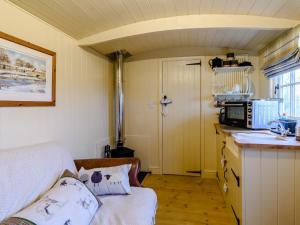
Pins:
x: 297, y: 131
x: 107, y: 151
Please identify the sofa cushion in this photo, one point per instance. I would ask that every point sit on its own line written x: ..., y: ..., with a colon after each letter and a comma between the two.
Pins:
x: 29, y: 172
x: 16, y: 221
x: 107, y: 180
x: 69, y: 201
x: 139, y: 208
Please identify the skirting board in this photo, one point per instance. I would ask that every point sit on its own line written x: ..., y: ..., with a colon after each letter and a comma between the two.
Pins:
x: 209, y: 174
x: 155, y: 170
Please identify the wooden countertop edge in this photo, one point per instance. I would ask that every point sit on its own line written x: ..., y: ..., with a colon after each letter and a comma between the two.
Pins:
x: 226, y: 132
x: 267, y: 146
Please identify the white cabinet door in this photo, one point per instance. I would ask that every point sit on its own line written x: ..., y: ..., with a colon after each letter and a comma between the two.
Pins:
x: 181, y: 118
x: 271, y: 187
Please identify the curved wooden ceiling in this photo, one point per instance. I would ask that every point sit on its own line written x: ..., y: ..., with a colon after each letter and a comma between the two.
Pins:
x: 87, y: 19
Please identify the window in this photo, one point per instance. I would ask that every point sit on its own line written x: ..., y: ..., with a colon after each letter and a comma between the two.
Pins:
x: 287, y: 87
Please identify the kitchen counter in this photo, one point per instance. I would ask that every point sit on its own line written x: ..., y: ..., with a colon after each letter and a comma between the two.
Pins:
x: 258, y: 175
x: 246, y: 141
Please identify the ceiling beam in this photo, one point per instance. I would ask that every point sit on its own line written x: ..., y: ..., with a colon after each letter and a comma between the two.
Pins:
x: 188, y: 51
x: 190, y: 22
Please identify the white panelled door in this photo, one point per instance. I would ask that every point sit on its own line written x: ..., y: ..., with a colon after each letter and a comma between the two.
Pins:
x: 181, y: 117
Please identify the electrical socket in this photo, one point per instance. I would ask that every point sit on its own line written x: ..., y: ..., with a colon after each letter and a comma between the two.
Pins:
x: 99, y: 151
x: 99, y: 147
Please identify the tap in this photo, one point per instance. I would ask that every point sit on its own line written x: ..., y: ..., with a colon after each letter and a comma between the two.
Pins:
x: 280, y: 127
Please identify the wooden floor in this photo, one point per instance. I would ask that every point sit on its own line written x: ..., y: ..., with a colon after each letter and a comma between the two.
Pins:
x: 184, y: 200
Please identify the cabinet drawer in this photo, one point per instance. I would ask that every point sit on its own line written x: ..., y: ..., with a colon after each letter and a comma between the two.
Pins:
x: 220, y: 144
x: 234, y: 165
x: 234, y: 180
x: 235, y: 190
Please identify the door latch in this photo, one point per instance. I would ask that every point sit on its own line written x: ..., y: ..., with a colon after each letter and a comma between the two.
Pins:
x: 165, y: 101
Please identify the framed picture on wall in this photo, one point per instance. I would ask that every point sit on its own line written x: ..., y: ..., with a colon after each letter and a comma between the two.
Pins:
x: 27, y: 73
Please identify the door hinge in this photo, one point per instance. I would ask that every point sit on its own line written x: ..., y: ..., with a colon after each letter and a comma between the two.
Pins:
x: 194, y: 171
x: 217, y: 175
x: 194, y: 64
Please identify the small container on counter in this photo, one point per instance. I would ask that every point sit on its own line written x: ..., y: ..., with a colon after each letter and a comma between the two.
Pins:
x: 289, y: 124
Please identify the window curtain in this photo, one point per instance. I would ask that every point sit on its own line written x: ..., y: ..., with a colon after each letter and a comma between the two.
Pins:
x: 283, y: 55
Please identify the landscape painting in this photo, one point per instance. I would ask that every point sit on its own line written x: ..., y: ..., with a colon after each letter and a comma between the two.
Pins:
x: 21, y: 73
x: 27, y: 73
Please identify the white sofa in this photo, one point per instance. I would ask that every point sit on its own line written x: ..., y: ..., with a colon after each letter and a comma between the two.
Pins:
x: 28, y: 172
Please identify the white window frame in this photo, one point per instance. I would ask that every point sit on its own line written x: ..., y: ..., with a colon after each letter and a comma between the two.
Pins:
x: 278, y: 81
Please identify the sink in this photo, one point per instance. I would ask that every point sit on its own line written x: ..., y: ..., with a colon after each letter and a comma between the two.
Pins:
x: 254, y: 135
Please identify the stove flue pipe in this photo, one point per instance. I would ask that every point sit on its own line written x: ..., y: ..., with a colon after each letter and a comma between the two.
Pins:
x: 119, y: 98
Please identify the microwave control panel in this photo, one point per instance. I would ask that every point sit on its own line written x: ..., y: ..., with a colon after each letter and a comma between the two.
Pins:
x: 249, y: 114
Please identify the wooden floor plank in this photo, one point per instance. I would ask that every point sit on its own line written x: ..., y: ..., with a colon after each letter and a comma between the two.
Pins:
x: 184, y: 200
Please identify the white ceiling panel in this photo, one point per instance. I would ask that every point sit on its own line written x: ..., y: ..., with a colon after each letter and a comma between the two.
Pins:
x: 85, y: 18
x: 82, y: 18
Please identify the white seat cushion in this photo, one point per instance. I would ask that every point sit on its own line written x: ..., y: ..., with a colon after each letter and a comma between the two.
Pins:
x: 28, y: 172
x: 138, y: 208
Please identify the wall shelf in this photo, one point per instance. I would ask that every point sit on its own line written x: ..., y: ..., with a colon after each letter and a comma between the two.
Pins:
x: 232, y: 94
x: 231, y: 69
x: 220, y: 97
x: 226, y: 79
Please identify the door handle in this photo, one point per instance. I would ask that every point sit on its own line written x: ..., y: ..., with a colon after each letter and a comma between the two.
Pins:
x: 236, y: 177
x: 165, y: 101
x: 235, y: 216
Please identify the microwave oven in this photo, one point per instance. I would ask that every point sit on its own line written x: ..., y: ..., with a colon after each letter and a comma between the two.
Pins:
x: 252, y: 114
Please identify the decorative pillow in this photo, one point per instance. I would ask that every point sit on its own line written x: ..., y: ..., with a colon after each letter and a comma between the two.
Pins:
x: 17, y: 221
x: 107, y: 180
x: 68, y: 202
